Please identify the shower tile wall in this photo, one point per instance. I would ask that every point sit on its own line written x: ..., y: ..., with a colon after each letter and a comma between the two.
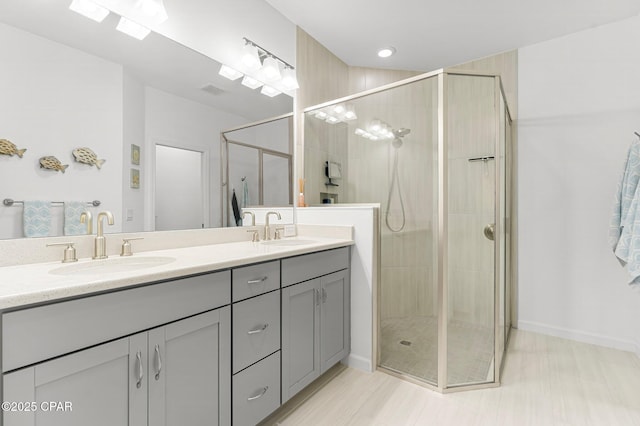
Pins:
x: 408, y: 282
x: 471, y: 128
x: 324, y: 142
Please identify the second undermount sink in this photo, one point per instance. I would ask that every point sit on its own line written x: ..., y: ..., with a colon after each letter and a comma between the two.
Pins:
x: 113, y: 265
x: 287, y: 242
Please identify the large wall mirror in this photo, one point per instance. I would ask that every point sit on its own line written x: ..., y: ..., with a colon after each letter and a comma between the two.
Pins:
x: 153, y: 110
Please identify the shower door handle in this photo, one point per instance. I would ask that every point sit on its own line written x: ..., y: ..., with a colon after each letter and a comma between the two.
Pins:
x: 489, y: 231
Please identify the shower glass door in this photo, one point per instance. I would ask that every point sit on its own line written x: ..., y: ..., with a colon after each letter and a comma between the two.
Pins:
x: 471, y: 152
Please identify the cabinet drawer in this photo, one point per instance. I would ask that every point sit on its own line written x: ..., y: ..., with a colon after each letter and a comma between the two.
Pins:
x: 309, y: 266
x: 256, y: 391
x: 36, y: 334
x: 255, y: 280
x: 256, y: 329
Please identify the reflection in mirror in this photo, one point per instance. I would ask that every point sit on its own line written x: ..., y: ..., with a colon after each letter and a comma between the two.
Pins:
x: 68, y: 83
x: 257, y: 167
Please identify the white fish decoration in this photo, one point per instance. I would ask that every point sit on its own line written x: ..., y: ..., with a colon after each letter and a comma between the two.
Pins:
x: 8, y: 148
x: 52, y: 163
x: 87, y: 156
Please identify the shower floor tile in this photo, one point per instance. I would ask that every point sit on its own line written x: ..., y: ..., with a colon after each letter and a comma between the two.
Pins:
x: 410, y: 346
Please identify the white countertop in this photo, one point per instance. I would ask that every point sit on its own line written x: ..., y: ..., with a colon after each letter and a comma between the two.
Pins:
x: 29, y: 284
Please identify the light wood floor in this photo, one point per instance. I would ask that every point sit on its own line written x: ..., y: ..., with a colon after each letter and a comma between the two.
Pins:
x: 547, y: 381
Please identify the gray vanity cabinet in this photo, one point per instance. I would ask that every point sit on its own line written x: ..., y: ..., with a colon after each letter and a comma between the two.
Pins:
x: 315, y: 317
x: 256, y: 342
x: 170, y: 375
x: 155, y: 355
x: 189, y: 371
x: 95, y: 381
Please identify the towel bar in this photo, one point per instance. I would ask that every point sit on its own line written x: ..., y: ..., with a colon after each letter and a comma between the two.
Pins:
x: 10, y: 202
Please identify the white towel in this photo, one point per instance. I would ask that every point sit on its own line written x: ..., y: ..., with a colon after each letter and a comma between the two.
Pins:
x: 624, y: 232
x: 36, y: 218
x: 72, y: 212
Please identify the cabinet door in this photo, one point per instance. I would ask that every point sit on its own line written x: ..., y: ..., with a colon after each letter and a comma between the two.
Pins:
x: 190, y: 371
x: 300, y: 336
x: 95, y: 382
x: 334, y: 319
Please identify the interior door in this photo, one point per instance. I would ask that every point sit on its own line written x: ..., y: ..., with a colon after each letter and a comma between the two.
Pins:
x: 179, y: 196
x: 276, y: 180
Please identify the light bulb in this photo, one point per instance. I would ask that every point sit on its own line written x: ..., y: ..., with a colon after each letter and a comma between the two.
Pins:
x: 250, y: 58
x: 89, y: 9
x: 229, y: 73
x: 289, y: 80
x: 269, y: 91
x: 271, y: 69
x: 251, y: 82
x: 133, y: 29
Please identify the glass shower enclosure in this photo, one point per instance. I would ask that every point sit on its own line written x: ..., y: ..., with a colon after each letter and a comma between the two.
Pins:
x: 434, y: 151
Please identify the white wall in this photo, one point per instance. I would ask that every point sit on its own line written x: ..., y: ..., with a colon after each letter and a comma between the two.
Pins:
x: 579, y: 106
x: 364, y: 255
x: 56, y: 99
x: 133, y: 213
x: 174, y: 121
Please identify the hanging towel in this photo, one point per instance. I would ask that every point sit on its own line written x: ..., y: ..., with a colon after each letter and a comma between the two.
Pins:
x: 72, y: 212
x: 245, y: 193
x: 236, y: 210
x: 624, y: 231
x: 36, y: 218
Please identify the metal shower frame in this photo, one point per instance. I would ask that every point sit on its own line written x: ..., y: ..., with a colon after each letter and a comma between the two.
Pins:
x: 443, y: 225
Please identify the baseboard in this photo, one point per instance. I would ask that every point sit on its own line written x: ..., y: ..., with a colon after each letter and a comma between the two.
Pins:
x: 359, y: 363
x: 581, y: 336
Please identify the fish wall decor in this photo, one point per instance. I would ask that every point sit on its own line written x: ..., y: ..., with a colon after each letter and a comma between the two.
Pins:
x: 52, y: 163
x: 87, y: 156
x: 8, y: 148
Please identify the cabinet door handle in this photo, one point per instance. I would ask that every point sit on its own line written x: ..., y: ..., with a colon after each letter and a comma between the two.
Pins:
x: 258, y: 330
x: 158, y: 362
x: 260, y: 395
x: 257, y: 281
x: 317, y: 294
x: 324, y: 295
x: 140, y: 369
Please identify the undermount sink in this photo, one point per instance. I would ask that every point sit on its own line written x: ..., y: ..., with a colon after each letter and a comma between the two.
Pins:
x: 113, y: 265
x: 287, y: 242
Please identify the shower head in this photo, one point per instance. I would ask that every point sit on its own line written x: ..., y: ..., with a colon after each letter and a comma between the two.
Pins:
x: 401, y: 133
x: 398, y: 135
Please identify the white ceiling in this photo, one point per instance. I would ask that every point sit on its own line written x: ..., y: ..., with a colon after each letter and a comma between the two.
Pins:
x: 431, y: 34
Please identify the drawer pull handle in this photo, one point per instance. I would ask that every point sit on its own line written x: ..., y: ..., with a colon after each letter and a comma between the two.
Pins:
x: 158, y: 362
x: 257, y: 281
x: 140, y: 369
x: 258, y: 330
x: 260, y: 395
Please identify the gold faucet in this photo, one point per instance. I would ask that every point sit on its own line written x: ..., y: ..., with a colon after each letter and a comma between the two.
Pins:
x: 100, y: 243
x: 253, y: 217
x: 267, y: 231
x: 86, y: 217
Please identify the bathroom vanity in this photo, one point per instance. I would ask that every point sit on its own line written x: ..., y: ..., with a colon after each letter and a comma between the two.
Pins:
x: 184, y: 342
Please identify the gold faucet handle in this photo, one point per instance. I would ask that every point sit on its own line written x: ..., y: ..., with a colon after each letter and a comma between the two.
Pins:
x: 126, y: 246
x: 69, y: 252
x: 278, y: 234
x: 256, y: 235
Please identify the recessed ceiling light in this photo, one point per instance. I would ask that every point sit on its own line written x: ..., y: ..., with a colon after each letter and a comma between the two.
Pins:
x: 385, y: 52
